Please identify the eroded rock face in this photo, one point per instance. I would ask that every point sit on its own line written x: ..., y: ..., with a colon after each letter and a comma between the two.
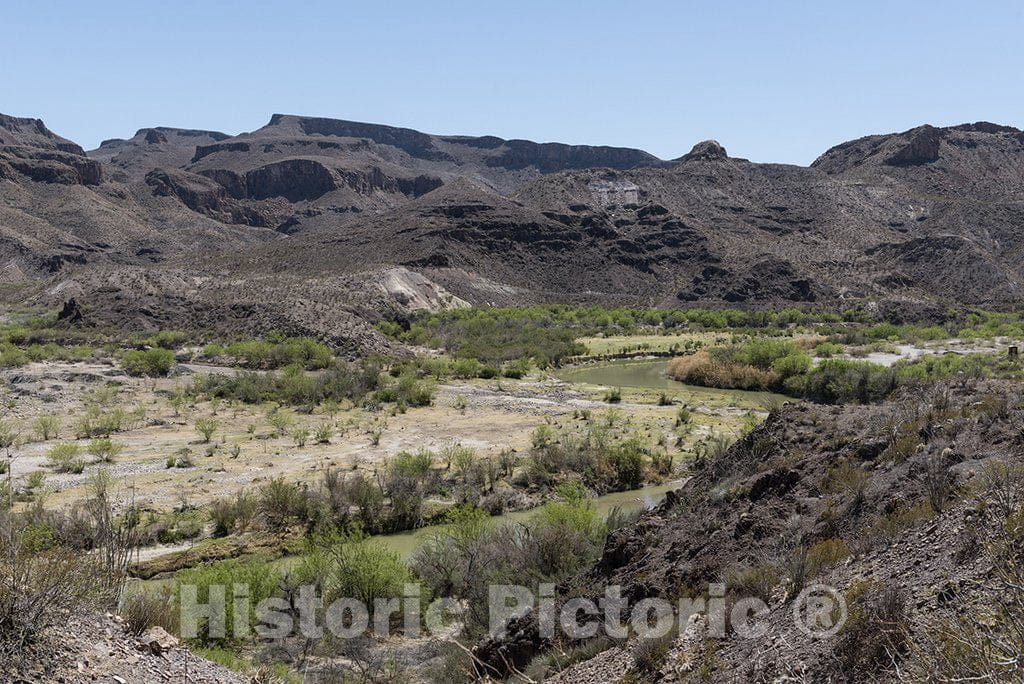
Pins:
x: 24, y: 132
x: 30, y: 150
x: 551, y: 157
x: 922, y: 148
x: 207, y: 196
x: 293, y: 179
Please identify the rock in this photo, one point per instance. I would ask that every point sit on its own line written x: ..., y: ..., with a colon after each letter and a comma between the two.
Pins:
x: 922, y: 148
x: 157, y: 641
x: 71, y: 312
x: 706, y: 151
x: 154, y: 137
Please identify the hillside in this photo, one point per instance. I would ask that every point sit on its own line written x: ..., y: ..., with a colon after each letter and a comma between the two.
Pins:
x: 908, y: 511
x: 928, y: 217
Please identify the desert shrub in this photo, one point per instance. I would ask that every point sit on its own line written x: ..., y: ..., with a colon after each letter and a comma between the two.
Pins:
x: 462, y: 459
x: 790, y: 365
x: 280, y: 421
x: 825, y: 554
x: 836, y: 381
x: 613, y: 396
x: 938, y: 482
x: 282, y: 504
x: 649, y: 653
x: 142, y: 610
x: 323, y: 433
x: 104, y: 450
x: 99, y: 422
x: 301, y: 435
x: 66, y: 458
x: 702, y: 369
x: 931, y: 367
x: 469, y: 553
x: 826, y: 350
x: 886, y: 527
x: 493, y: 335
x: 413, y: 391
x: 260, y: 579
x: 756, y: 581
x: 230, y: 515
x: 412, y: 464
x: 967, y: 647
x: 661, y: 463
x: 627, y: 461
x: 761, y: 352
x: 847, y: 478
x: 278, y: 352
x: 11, y: 356
x: 206, y: 427
x: 182, y: 458
x: 352, y: 565
x: 339, y: 381
x: 543, y: 436
x: 46, y: 427
x: 465, y: 369
x: 40, y: 582
x: 874, y: 635
x: 516, y: 370
x: 154, y: 362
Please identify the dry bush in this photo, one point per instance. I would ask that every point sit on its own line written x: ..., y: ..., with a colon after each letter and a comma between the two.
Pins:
x: 40, y: 582
x: 702, y: 369
x: 986, y: 644
x: 143, y: 610
x: 874, y: 637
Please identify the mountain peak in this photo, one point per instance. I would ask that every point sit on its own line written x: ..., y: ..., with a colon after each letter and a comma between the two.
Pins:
x: 706, y: 150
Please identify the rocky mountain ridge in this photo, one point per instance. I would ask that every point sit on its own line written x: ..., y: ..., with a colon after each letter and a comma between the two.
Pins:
x: 929, y: 217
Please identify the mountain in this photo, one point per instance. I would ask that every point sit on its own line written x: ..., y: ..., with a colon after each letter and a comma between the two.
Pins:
x: 340, y: 222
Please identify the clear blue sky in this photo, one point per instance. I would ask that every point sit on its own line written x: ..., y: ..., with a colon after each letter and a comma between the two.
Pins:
x: 772, y: 81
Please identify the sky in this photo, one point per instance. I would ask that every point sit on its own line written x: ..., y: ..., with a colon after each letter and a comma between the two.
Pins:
x: 771, y: 81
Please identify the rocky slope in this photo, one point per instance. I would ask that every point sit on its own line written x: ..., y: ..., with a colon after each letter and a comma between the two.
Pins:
x: 929, y: 216
x: 910, y: 510
x: 100, y: 648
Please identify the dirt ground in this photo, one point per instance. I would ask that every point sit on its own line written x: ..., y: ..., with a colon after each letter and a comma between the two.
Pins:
x: 496, y: 416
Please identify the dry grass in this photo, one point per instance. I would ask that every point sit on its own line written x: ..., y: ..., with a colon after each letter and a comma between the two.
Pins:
x: 702, y: 369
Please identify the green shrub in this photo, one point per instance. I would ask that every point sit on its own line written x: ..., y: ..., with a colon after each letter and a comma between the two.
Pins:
x: 231, y: 515
x: 104, y: 449
x: 46, y: 427
x: 260, y: 579
x: 825, y: 554
x: 465, y: 369
x: 142, y: 610
x: 323, y: 433
x: 627, y: 460
x: 837, y: 381
x: 206, y: 427
x: 352, y: 565
x: 66, y: 458
x: 301, y: 435
x: 153, y: 362
x: 826, y: 350
x: 182, y: 458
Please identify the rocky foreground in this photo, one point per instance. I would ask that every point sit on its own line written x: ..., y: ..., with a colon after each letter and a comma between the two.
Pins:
x: 912, y: 511
x: 100, y: 648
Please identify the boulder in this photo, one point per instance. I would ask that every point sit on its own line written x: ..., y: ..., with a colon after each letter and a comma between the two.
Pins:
x: 157, y: 640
